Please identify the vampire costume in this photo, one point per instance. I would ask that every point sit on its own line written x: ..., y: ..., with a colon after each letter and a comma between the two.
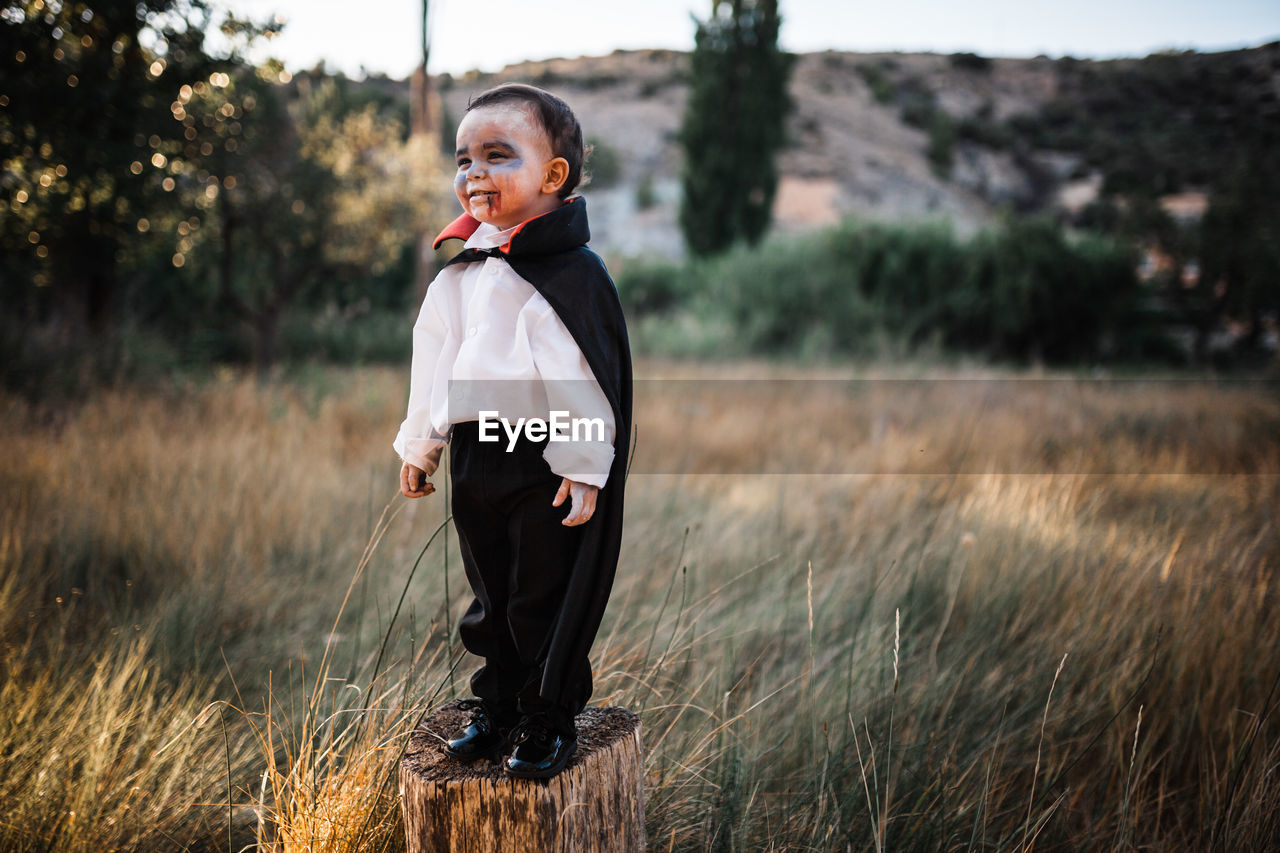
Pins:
x: 496, y: 526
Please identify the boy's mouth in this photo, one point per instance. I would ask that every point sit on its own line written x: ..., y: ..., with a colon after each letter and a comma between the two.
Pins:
x: 480, y: 194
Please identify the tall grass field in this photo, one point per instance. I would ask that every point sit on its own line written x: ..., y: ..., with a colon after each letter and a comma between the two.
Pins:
x: 856, y: 611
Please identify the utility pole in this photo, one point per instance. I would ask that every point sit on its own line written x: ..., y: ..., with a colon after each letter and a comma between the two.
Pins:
x: 424, y: 109
x: 424, y: 124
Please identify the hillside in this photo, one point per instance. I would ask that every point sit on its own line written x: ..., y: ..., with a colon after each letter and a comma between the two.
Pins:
x: 912, y: 136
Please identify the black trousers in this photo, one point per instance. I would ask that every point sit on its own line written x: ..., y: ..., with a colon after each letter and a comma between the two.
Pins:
x: 517, y: 557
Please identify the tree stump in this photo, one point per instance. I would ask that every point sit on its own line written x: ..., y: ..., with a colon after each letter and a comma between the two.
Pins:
x: 595, y: 804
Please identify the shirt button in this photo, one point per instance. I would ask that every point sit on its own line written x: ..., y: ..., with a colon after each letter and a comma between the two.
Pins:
x: 471, y: 332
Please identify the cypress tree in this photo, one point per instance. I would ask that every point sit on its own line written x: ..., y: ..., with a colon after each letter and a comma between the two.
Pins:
x: 733, y: 125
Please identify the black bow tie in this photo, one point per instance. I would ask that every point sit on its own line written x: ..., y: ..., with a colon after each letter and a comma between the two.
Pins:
x: 480, y: 254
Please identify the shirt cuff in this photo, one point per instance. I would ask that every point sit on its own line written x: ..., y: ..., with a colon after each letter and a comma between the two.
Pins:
x: 423, y: 453
x: 581, y: 461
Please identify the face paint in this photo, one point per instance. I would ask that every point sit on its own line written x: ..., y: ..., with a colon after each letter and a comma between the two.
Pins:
x: 503, y: 155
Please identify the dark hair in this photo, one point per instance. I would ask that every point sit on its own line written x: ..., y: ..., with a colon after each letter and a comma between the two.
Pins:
x: 559, y: 122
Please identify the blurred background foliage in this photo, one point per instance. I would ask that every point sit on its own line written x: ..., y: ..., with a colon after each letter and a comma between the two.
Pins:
x: 1024, y: 291
x: 1168, y: 123
x: 170, y: 208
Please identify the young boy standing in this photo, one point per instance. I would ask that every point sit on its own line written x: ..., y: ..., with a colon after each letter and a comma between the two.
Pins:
x: 524, y: 324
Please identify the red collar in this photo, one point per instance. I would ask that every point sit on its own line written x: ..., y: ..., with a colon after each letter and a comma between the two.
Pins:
x: 465, y: 225
x: 461, y: 228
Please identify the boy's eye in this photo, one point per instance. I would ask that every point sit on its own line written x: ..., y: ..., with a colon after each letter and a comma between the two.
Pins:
x: 463, y: 162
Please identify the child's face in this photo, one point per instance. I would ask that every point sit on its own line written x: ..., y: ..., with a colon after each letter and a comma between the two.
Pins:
x: 506, y: 171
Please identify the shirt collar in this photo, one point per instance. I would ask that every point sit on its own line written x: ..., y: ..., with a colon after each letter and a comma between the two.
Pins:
x: 487, y: 236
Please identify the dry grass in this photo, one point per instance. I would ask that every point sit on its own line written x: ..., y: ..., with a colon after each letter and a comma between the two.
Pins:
x: 1052, y: 628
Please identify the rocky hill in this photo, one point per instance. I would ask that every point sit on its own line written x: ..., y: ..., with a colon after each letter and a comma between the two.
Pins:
x: 918, y: 136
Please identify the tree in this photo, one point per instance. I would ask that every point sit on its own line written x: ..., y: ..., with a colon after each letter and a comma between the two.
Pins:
x: 424, y: 109
x: 733, y: 125
x: 87, y: 113
x: 299, y: 192
x: 1240, y: 253
x: 425, y: 120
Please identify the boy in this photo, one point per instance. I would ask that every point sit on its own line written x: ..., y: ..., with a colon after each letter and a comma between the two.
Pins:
x: 524, y: 323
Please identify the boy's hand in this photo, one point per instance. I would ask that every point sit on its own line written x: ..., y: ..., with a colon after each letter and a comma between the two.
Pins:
x: 583, y: 501
x: 414, y: 482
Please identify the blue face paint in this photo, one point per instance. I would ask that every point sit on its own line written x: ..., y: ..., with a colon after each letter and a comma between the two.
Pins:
x: 502, y: 156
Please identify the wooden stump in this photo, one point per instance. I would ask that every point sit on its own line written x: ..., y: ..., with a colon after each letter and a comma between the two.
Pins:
x: 594, y: 804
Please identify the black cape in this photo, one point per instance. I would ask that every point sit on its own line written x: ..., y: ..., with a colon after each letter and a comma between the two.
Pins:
x: 550, y: 252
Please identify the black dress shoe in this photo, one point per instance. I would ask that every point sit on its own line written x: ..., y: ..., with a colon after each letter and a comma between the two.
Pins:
x: 541, y: 751
x: 484, y: 736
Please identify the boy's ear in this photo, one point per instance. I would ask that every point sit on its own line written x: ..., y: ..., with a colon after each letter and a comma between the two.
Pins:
x: 556, y: 174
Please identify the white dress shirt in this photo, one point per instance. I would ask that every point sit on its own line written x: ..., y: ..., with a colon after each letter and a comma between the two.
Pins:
x: 487, y: 341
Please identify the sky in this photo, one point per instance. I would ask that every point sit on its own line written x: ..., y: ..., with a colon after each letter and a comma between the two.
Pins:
x: 490, y: 34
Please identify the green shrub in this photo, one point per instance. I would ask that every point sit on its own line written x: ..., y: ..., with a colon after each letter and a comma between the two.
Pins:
x: 786, y: 294
x: 970, y: 62
x: 942, y: 144
x: 604, y: 165
x: 982, y: 128
x: 646, y: 195
x: 878, y: 82
x: 918, y: 109
x: 1027, y: 292
x: 650, y: 288
x: 1023, y: 291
